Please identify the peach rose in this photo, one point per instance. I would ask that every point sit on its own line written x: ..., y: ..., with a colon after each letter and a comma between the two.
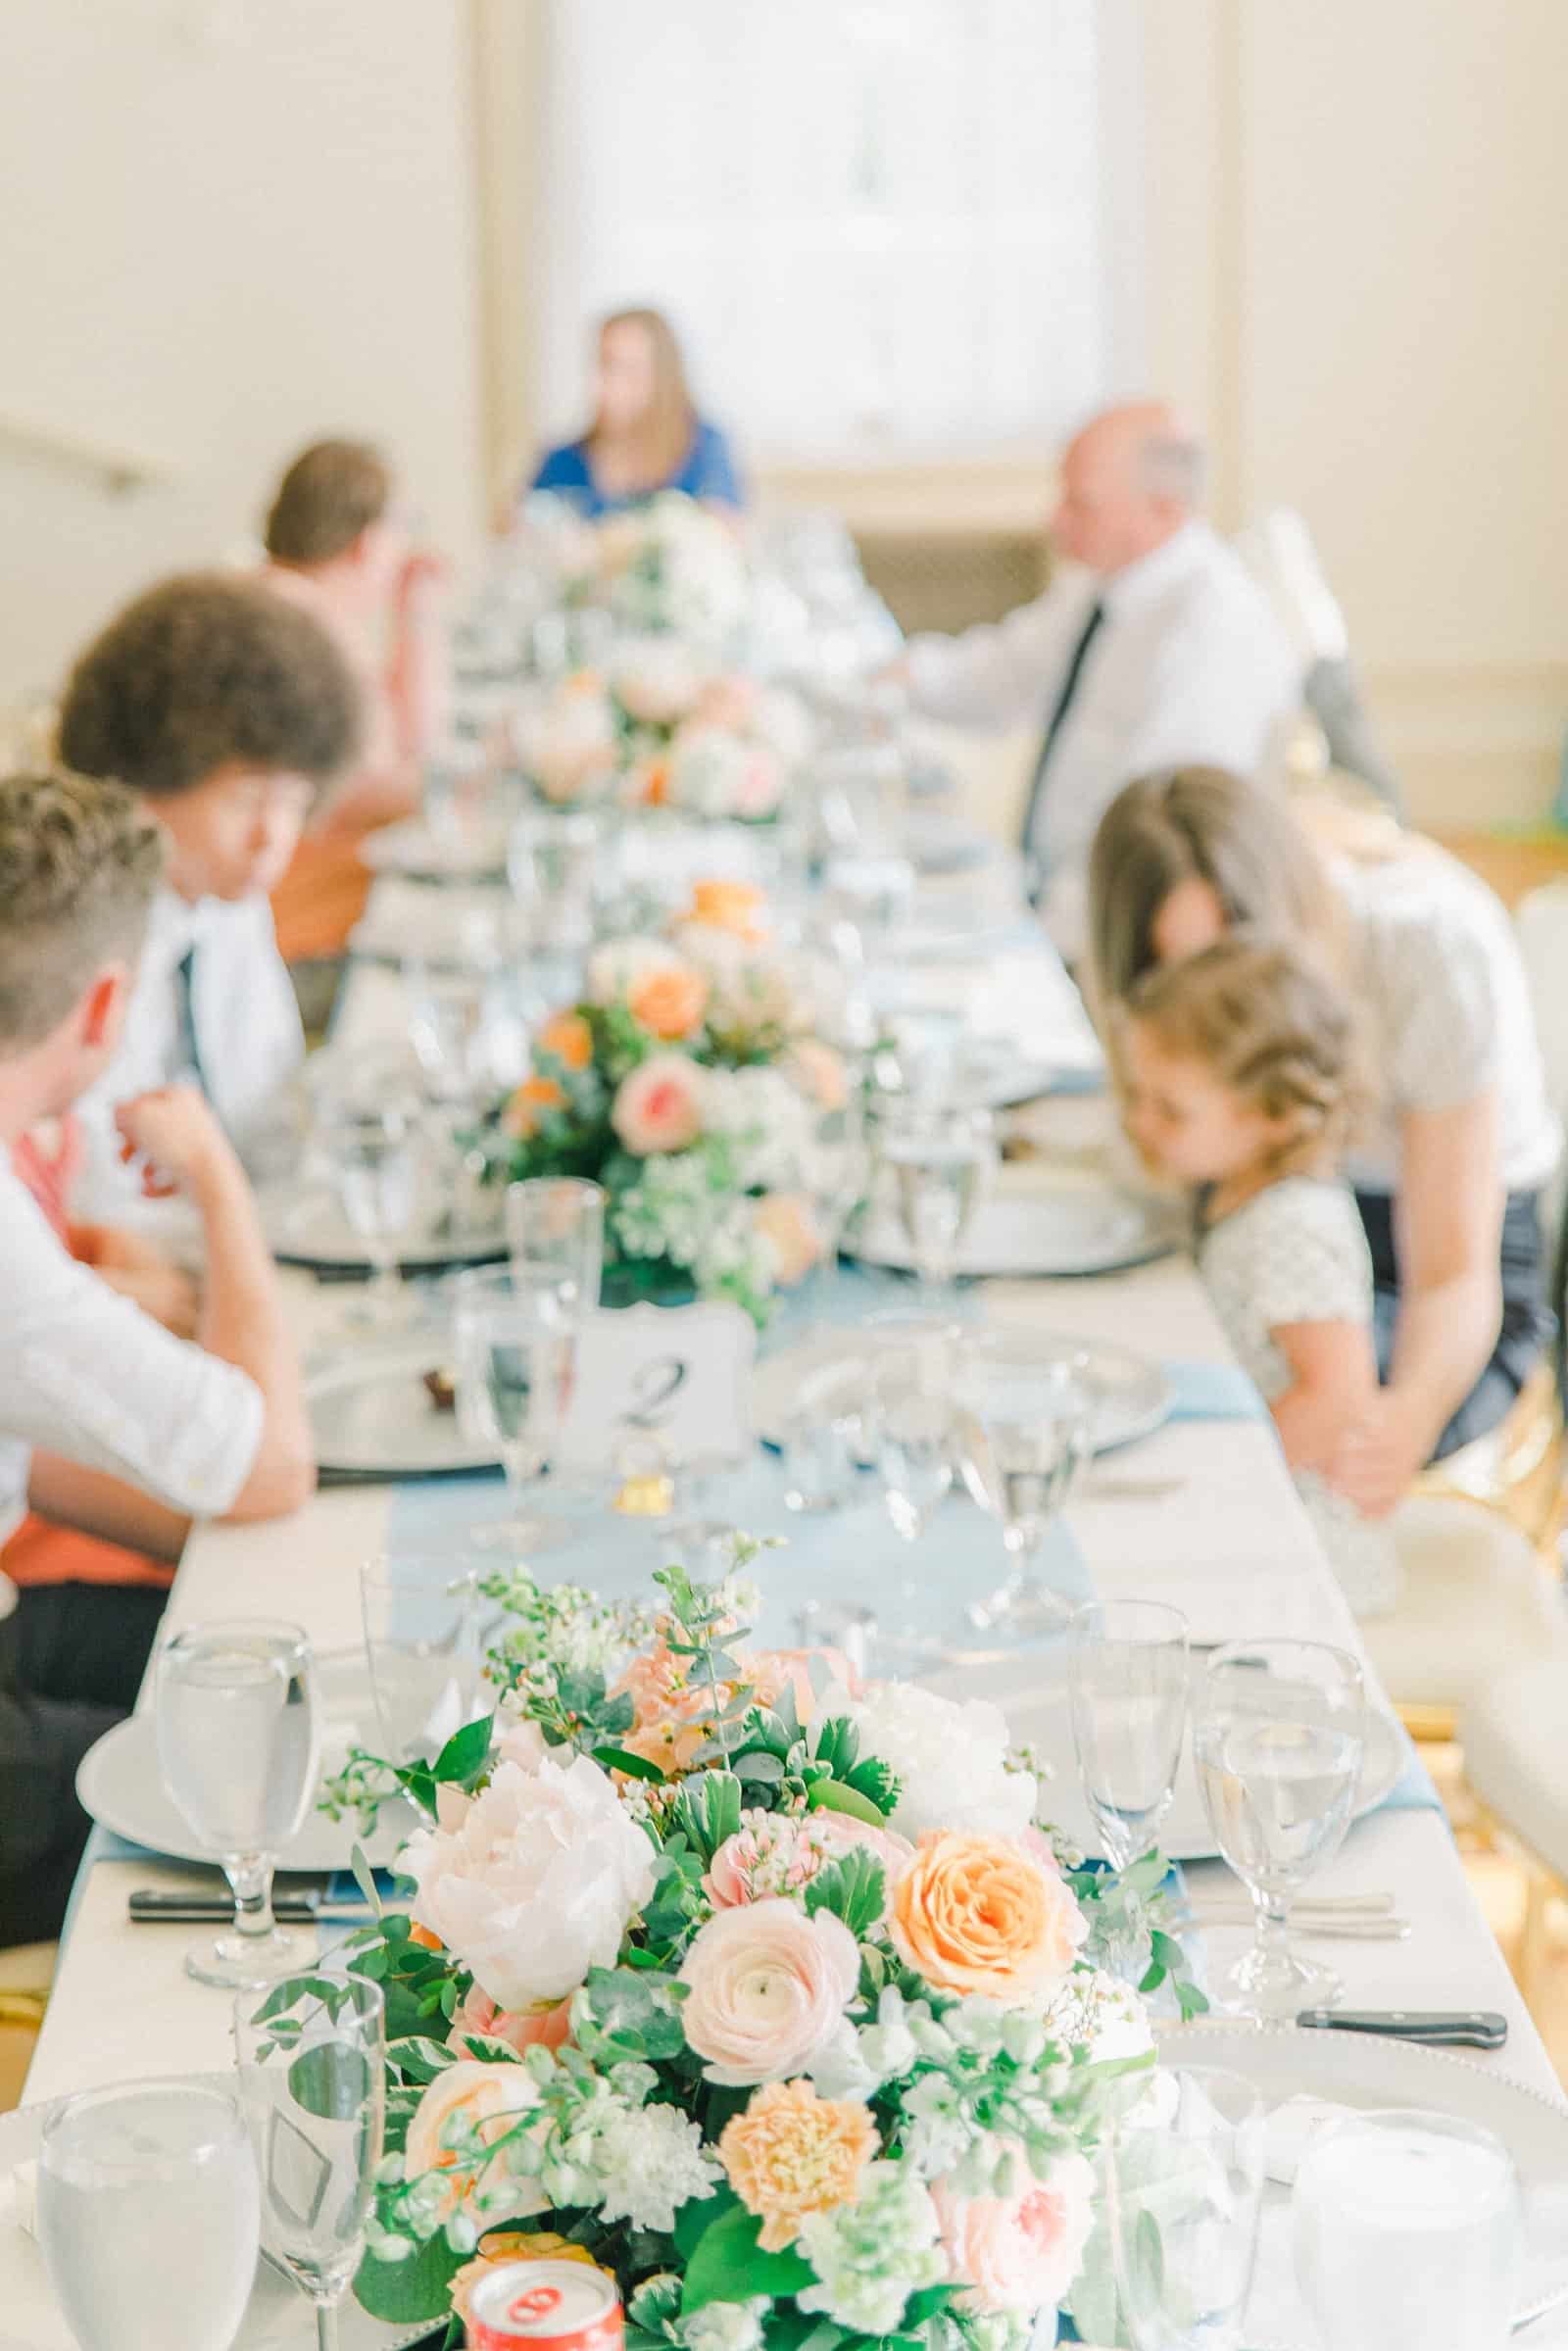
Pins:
x: 669, y: 1002
x: 784, y: 1220
x: 488, y: 2099
x: 767, y: 1988
x: 509, y: 2246
x: 549, y: 2028
x: 816, y: 1070
x: 1019, y: 2253
x: 792, y: 2153
x: 659, y: 1106
x: 530, y: 1105
x: 567, y: 1039
x: 982, y: 1914
x: 720, y: 906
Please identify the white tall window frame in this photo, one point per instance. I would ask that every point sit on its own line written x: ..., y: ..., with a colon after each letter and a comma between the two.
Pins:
x: 885, y: 228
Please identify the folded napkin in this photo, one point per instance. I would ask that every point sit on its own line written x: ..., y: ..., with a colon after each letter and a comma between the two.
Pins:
x: 18, y: 2198
x: 1213, y: 1391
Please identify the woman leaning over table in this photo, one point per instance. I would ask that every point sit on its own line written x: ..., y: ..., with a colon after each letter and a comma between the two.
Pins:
x: 1449, y: 1172
x: 646, y: 435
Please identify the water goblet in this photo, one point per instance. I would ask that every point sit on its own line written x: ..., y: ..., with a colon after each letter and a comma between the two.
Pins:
x: 1184, y: 2179
x: 421, y: 1641
x: 1407, y: 2228
x: 515, y: 1349
x: 1279, y: 1732
x: 238, y: 1742
x: 555, y: 1237
x: 315, y: 2098
x: 371, y: 1154
x: 149, y: 2216
x: 941, y: 1158
x: 1128, y: 1676
x: 1026, y: 1428
x: 914, y: 1429
x: 449, y: 1028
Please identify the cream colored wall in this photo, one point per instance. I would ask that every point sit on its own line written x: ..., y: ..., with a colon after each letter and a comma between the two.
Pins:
x: 1358, y: 244
x: 231, y: 225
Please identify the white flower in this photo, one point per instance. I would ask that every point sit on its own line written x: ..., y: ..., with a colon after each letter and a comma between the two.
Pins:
x: 1097, y: 2012
x: 870, y: 2256
x: 657, y: 680
x: 650, y: 2162
x: 951, y: 1757
x: 727, y: 2325
x: 537, y: 1885
x: 765, y: 1122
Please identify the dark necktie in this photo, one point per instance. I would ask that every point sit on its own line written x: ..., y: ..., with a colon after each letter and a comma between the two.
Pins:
x: 187, y: 1049
x: 1054, y: 726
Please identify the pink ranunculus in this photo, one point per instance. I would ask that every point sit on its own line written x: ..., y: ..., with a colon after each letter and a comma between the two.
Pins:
x: 520, y: 2029
x: 844, y: 1834
x: 770, y: 1854
x: 767, y: 1988
x: 659, y: 1106
x: 1021, y: 2252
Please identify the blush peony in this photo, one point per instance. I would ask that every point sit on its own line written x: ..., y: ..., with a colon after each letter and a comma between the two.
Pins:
x: 659, y: 1106
x: 951, y: 1757
x: 983, y: 1915
x: 1019, y: 2253
x: 538, y: 1882
x: 766, y: 1990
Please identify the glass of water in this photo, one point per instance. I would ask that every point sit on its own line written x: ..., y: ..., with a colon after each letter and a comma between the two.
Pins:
x: 372, y: 1158
x: 1407, y: 2229
x: 239, y: 1743
x: 1279, y: 1729
x: 1026, y: 1425
x: 149, y: 2216
x: 942, y: 1158
x: 311, y: 2080
x: 555, y: 1237
x: 914, y: 1436
x: 1128, y: 1677
x: 449, y: 1027
x: 1184, y: 2178
x: 515, y: 1351
x: 421, y: 1639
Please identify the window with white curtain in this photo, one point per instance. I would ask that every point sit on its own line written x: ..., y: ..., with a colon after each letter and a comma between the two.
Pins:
x: 879, y: 228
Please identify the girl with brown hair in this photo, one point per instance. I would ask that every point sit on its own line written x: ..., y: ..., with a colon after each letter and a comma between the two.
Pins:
x: 646, y: 435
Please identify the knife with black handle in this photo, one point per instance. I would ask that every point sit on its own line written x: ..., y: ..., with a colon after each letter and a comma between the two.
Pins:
x: 1442, y: 2028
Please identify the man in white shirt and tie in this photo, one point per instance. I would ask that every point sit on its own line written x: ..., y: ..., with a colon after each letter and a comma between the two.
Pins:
x: 1154, y: 648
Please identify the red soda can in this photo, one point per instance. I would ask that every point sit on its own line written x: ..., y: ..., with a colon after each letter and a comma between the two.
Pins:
x: 549, y: 2305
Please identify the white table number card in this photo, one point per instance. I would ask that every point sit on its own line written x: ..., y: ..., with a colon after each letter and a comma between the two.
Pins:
x: 681, y: 1375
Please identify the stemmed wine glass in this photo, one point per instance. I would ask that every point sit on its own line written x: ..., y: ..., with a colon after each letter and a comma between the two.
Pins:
x: 312, y: 2078
x: 239, y: 1742
x: 1279, y: 1731
x: 422, y: 1643
x: 1183, y: 2181
x: 372, y: 1152
x: 1026, y: 1428
x: 149, y: 2216
x: 516, y: 1357
x: 556, y: 1237
x: 941, y: 1157
x: 914, y: 1436
x: 449, y: 1028
x: 1128, y: 1676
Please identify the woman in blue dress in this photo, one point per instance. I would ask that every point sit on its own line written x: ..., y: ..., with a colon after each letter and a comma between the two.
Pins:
x: 646, y: 435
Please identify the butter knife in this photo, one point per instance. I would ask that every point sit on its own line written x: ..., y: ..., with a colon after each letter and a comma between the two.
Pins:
x: 1442, y: 2028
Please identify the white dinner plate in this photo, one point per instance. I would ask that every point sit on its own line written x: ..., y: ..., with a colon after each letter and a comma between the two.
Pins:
x: 831, y: 1371
x: 1063, y: 1230
x: 278, y: 2318
x: 120, y: 1785
x: 304, y: 1226
x: 372, y: 1416
x: 1361, y: 2069
x: 1031, y: 1688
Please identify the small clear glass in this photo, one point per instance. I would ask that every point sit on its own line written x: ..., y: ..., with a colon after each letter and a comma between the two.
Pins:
x: 1279, y: 1732
x: 1027, y: 1426
x: 450, y: 1030
x: 1407, y: 2229
x: 515, y: 1359
x: 818, y: 1458
x: 421, y: 1641
x: 373, y: 1154
x: 1183, y: 2182
x: 555, y: 1237
x: 149, y: 2216
x: 1128, y: 1672
x: 314, y: 2097
x: 914, y: 1433
x: 238, y: 1728
x: 941, y: 1161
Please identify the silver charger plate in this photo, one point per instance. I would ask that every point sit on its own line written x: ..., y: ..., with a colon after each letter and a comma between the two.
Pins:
x: 1031, y: 1688
x: 1060, y: 1232
x: 121, y: 1783
x: 304, y: 1226
x: 832, y: 1370
x: 1361, y: 2069
x: 372, y: 1416
x: 278, y: 2317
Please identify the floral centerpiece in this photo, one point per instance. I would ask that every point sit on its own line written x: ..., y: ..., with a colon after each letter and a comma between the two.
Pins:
x: 764, y: 1993
x: 687, y: 1082
x: 660, y: 728
x: 665, y: 565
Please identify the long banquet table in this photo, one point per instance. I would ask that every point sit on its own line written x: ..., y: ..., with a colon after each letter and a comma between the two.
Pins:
x: 1216, y: 1528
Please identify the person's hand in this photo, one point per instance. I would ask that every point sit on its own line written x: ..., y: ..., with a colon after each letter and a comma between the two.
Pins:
x: 174, y: 1132
x: 138, y: 1270
x: 1378, y: 1454
x: 422, y: 575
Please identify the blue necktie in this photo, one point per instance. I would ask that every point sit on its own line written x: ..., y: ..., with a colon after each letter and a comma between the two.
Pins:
x: 188, y: 1050
x: 1055, y: 723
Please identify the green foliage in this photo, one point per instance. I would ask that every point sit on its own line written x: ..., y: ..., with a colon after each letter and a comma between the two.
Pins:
x: 852, y: 1888
x: 629, y: 2013
x: 726, y: 2265
x: 403, y: 2292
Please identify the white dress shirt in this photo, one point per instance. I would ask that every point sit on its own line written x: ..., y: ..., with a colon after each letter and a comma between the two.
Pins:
x: 1189, y: 666
x: 85, y: 1373
x: 247, y: 1033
